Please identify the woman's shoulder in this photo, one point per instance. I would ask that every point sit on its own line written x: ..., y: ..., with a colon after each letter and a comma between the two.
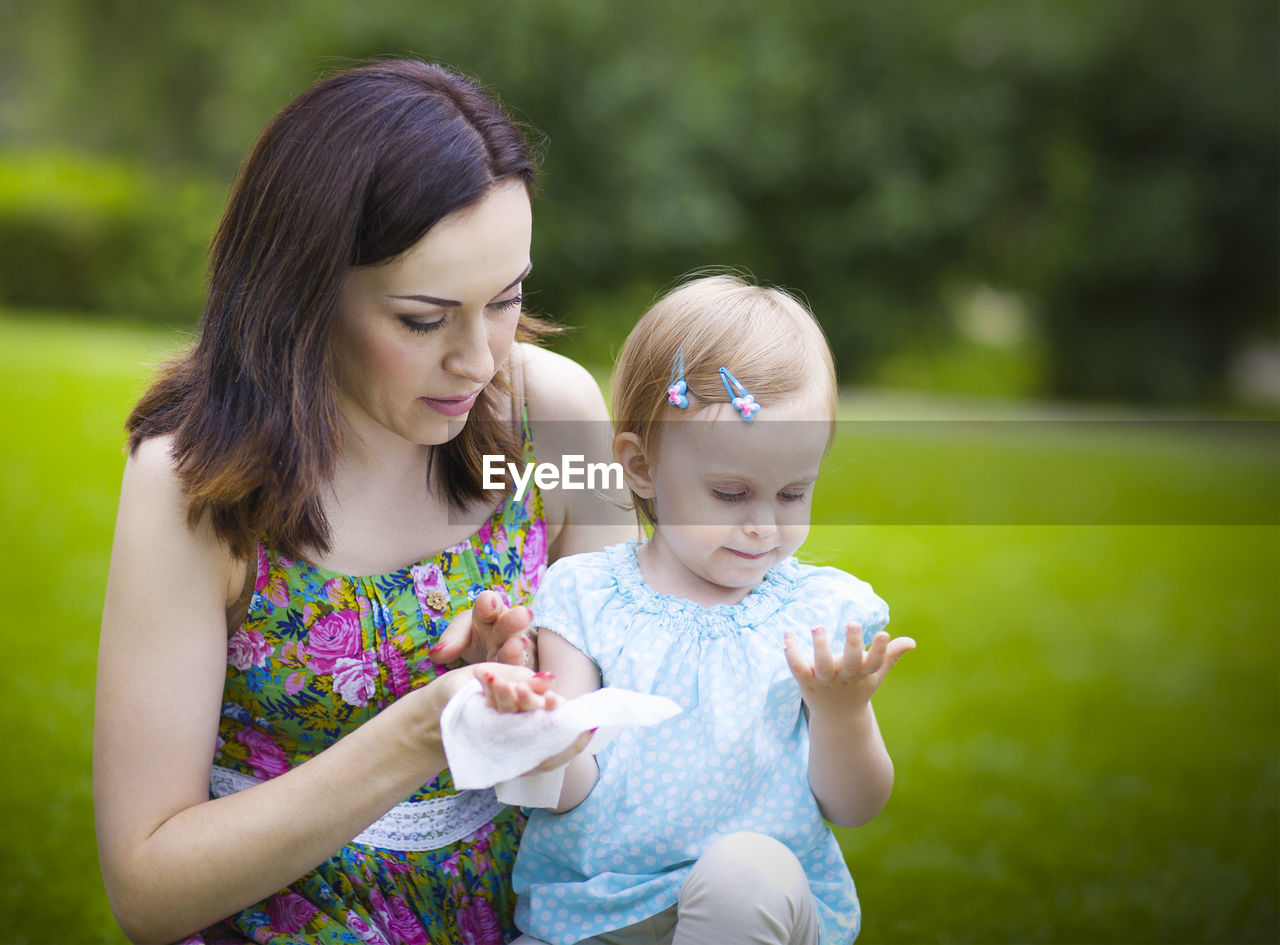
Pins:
x: 559, y: 388
x: 152, y: 465
x: 154, y: 515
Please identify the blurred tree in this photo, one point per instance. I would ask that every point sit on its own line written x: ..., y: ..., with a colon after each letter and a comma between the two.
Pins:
x: 1112, y: 161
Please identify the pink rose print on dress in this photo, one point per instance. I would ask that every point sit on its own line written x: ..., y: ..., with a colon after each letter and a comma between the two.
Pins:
x: 483, y: 837
x: 354, y: 679
x: 289, y: 912
x: 430, y: 589
x: 397, y: 668
x: 479, y: 924
x: 397, y: 918
x: 265, y: 756
x: 534, y: 556
x: 499, y: 538
x: 248, y: 648
x: 277, y: 590
x: 333, y: 637
x: 364, y: 931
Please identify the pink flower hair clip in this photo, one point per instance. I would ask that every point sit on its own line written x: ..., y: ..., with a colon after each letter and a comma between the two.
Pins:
x: 742, y: 401
x: 678, y: 390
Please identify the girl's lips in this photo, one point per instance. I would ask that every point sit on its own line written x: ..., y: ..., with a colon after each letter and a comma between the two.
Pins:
x: 749, y: 557
x: 451, y: 406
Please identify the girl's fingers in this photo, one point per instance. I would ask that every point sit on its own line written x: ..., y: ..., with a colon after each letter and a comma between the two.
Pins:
x: 823, y: 662
x: 526, y: 699
x: 541, y: 683
x: 873, y: 662
x: 801, y: 669
x: 897, y: 647
x: 503, y: 698
x: 486, y: 680
x: 854, y: 651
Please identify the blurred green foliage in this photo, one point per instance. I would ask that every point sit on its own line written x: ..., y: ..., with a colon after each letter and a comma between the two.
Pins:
x: 97, y: 235
x: 1109, y: 165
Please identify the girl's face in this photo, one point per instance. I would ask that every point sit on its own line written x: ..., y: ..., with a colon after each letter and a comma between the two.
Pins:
x: 732, y: 498
x: 416, y: 339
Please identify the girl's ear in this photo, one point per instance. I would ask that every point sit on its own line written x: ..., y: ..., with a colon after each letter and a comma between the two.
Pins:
x: 628, y: 452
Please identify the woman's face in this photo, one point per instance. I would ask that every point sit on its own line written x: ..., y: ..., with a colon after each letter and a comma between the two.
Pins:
x: 416, y: 339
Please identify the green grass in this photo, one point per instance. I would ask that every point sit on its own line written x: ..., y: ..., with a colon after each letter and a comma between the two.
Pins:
x: 1087, y: 740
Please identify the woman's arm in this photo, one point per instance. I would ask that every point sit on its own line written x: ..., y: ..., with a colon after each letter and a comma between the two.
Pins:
x: 568, y: 417
x: 173, y: 861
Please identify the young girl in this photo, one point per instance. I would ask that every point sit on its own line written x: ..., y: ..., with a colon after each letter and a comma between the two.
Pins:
x: 710, y: 827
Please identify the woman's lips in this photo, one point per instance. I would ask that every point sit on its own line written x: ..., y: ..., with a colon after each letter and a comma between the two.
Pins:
x: 451, y: 406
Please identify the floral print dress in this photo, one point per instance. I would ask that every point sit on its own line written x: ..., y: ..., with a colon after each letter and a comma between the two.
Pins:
x: 320, y: 653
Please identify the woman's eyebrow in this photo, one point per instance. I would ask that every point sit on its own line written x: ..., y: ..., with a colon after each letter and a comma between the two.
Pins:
x: 432, y: 300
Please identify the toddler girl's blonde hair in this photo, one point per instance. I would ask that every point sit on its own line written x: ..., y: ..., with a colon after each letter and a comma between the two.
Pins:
x: 765, y: 336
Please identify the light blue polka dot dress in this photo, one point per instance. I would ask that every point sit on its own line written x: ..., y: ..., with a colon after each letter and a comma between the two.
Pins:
x: 735, y: 759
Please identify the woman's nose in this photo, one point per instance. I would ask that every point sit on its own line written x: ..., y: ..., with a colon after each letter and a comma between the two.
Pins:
x: 469, y: 354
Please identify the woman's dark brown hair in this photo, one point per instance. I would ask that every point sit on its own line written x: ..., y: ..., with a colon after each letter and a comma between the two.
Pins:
x: 353, y: 172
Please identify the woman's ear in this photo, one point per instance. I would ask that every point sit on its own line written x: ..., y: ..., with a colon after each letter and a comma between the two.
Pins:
x: 628, y: 452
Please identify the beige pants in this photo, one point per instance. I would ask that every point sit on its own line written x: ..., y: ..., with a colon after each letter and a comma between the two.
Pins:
x: 746, y: 889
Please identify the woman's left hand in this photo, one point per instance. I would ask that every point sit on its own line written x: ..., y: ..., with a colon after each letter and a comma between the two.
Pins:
x: 490, y: 632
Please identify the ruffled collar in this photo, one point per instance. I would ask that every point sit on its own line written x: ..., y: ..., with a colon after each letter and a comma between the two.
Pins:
x: 763, y: 602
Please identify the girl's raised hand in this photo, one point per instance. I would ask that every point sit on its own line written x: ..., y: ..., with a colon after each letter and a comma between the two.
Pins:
x: 846, y: 681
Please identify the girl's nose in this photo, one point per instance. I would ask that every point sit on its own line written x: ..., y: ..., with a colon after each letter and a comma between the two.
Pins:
x: 761, y: 524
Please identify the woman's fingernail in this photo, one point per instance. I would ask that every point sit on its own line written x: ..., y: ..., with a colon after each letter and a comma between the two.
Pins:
x: 544, y: 675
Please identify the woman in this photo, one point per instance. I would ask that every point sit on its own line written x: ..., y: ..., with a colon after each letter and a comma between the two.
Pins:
x: 302, y: 513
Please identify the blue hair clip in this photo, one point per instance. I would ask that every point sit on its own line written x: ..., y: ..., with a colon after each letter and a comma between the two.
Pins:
x: 742, y: 402
x: 677, y: 391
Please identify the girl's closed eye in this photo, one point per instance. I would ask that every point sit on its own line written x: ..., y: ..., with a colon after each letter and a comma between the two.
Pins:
x: 725, y: 495
x: 792, y: 496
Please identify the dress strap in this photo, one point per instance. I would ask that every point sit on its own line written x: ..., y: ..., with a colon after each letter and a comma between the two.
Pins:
x: 515, y: 378
x: 520, y: 406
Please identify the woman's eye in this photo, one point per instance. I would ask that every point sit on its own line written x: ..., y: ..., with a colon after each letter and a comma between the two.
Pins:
x: 728, y: 496
x: 514, y: 302
x: 421, y: 327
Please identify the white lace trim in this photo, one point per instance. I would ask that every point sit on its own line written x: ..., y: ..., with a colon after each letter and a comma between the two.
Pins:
x: 410, y: 826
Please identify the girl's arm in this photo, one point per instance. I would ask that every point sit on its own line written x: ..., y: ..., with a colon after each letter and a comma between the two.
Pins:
x: 174, y: 861
x: 575, y: 674
x: 568, y: 417
x: 572, y: 674
x: 849, y: 768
